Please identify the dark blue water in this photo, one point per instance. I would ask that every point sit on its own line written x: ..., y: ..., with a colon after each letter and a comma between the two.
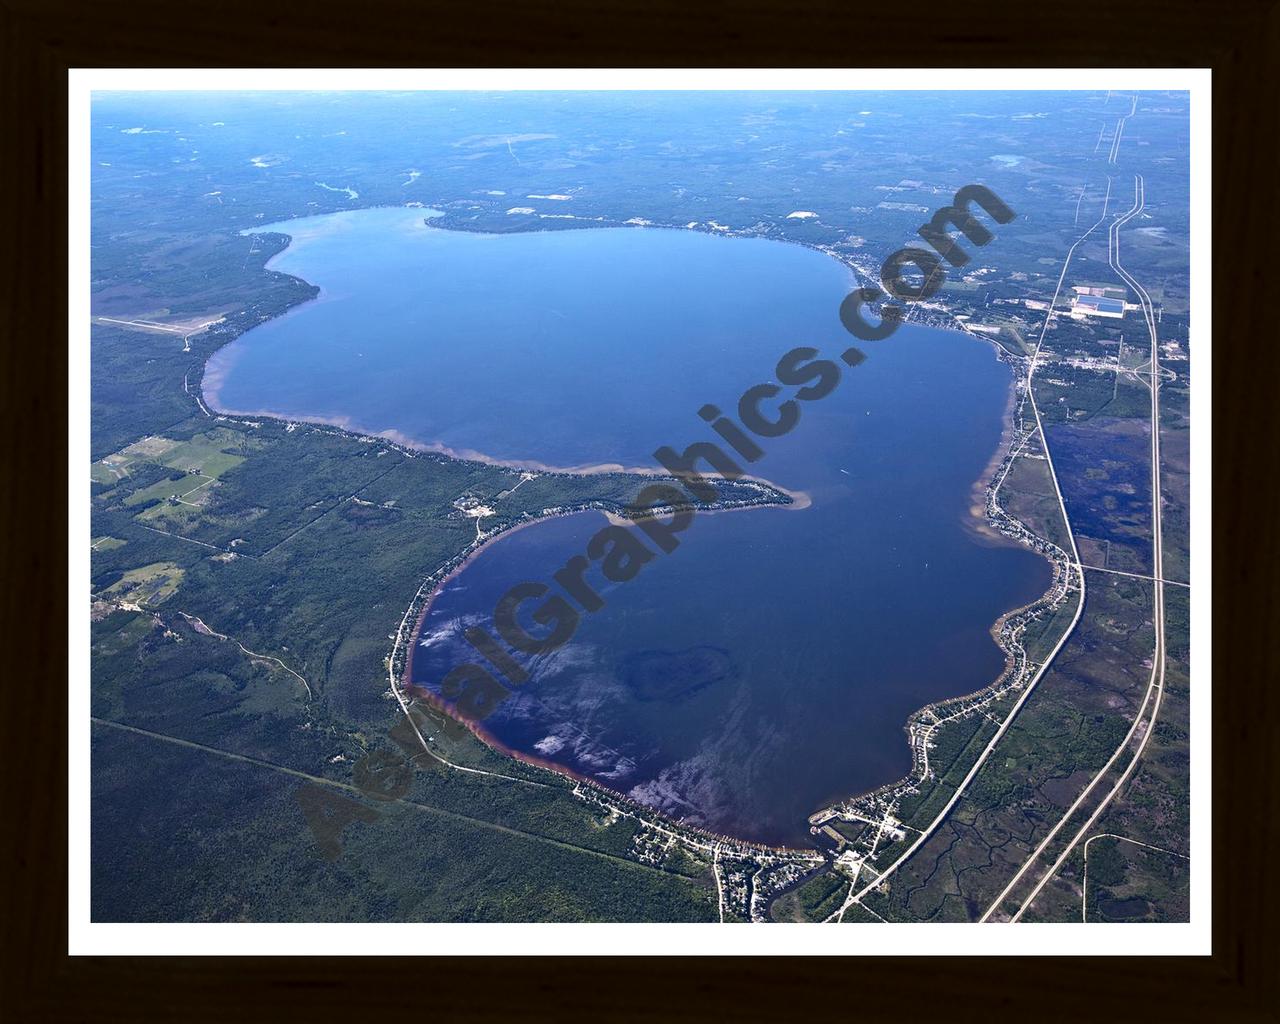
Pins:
x: 768, y: 664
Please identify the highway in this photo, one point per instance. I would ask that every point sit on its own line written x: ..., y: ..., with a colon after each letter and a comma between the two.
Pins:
x: 1155, y: 687
x: 1115, y: 141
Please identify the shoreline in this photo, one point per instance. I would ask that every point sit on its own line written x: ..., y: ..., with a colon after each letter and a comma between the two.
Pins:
x: 979, y: 520
x: 452, y: 571
x: 799, y: 499
x: 991, y: 524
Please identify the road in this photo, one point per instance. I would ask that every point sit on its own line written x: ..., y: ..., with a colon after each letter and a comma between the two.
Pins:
x: 1155, y: 687
x: 1136, y: 576
x: 202, y: 627
x: 1115, y: 142
x: 1112, y: 244
x: 1084, y: 889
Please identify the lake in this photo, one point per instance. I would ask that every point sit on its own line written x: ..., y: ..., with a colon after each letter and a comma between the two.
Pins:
x: 768, y: 665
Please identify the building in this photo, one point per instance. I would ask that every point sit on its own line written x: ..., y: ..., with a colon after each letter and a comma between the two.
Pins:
x: 1094, y: 301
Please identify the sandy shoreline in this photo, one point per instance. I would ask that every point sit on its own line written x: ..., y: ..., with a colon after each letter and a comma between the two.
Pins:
x: 799, y: 499
x: 976, y: 521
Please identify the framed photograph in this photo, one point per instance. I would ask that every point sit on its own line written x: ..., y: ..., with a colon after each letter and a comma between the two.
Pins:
x: 677, y: 512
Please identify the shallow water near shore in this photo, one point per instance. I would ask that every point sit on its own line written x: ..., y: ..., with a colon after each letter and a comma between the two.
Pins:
x: 769, y: 663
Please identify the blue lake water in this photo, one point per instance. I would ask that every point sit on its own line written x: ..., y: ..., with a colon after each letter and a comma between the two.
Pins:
x: 768, y: 664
